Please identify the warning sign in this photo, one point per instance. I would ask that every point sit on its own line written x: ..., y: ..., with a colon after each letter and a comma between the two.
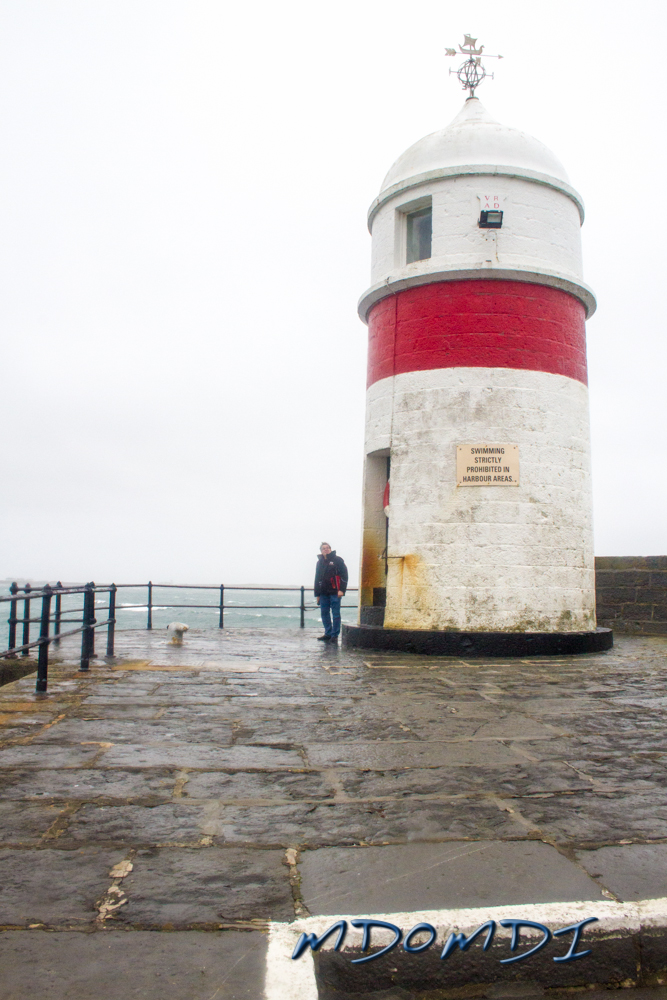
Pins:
x: 487, y: 465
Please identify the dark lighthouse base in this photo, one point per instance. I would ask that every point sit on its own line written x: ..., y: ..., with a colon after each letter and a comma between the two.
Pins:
x: 473, y: 644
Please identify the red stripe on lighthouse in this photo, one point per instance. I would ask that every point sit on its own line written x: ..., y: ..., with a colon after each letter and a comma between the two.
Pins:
x: 477, y: 324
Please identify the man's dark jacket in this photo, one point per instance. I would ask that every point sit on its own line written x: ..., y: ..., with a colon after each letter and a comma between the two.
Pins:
x: 330, y: 575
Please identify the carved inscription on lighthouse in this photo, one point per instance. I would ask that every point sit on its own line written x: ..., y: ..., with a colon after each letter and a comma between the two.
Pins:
x: 487, y: 465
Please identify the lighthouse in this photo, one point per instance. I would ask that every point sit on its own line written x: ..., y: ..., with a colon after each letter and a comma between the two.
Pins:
x: 477, y: 514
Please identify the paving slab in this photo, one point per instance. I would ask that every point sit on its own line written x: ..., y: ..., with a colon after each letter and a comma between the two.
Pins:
x: 52, y: 886
x: 146, y: 733
x: 13, y: 732
x: 26, y: 823
x: 439, y: 876
x: 115, y: 689
x: 515, y: 726
x: 586, y: 819
x: 26, y: 719
x: 403, y: 754
x: 368, y: 822
x: 167, y: 698
x: 273, y: 786
x: 630, y: 871
x: 610, y: 742
x: 637, y: 772
x: 116, y: 710
x: 519, y: 779
x: 201, y: 755
x: 51, y: 758
x: 87, y: 784
x: 175, y: 888
x: 173, y: 823
x: 562, y: 707
x: 138, y: 965
x: 340, y: 732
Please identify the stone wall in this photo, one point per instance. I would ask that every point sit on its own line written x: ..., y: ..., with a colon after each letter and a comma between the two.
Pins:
x: 631, y: 593
x: 13, y: 670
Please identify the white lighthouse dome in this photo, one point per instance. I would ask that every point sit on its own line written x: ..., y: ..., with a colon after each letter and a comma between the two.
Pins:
x: 474, y: 138
x: 447, y: 177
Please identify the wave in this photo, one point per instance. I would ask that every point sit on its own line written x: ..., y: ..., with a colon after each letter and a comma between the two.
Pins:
x: 129, y: 607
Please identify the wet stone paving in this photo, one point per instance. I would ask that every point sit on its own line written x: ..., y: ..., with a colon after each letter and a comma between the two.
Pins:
x: 255, y: 775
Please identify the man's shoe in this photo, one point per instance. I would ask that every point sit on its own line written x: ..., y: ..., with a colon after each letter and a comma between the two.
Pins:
x: 323, y: 638
x: 333, y: 638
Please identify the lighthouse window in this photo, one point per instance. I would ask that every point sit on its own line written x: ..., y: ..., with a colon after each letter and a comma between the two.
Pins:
x: 420, y: 228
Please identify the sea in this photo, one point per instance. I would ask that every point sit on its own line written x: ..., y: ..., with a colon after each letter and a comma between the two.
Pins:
x: 245, y: 607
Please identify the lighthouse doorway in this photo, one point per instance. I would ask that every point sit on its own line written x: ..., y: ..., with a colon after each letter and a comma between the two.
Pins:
x: 375, y: 537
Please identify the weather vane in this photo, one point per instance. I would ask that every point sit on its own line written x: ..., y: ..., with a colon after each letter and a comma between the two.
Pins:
x: 471, y: 72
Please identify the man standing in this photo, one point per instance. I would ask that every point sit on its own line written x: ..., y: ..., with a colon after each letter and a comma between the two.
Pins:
x: 330, y: 586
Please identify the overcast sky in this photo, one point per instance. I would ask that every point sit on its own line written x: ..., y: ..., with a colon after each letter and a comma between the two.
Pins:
x: 183, y: 196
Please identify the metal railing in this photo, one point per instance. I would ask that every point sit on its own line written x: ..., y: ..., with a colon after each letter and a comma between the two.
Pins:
x: 52, y: 597
x: 220, y: 606
x: 87, y: 630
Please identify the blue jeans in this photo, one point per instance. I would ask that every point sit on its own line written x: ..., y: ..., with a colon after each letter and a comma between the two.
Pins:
x: 330, y: 606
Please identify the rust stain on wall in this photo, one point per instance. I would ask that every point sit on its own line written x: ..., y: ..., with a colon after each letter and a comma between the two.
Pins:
x: 411, y: 601
x: 372, y: 569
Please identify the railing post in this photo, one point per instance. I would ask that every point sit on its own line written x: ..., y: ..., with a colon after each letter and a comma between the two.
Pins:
x: 56, y: 624
x: 43, y: 655
x: 26, y: 620
x: 111, y: 627
x: 221, y: 622
x: 14, y: 589
x: 303, y: 607
x: 87, y: 636
x: 149, y: 621
x: 93, y: 619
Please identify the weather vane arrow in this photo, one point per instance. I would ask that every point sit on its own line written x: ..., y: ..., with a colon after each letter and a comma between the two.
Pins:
x: 471, y: 72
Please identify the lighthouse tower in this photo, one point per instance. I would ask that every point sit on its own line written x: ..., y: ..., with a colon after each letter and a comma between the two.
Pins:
x: 477, y: 527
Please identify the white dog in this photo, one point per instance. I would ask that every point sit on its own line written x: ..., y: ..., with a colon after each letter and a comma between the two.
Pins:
x: 177, y: 629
